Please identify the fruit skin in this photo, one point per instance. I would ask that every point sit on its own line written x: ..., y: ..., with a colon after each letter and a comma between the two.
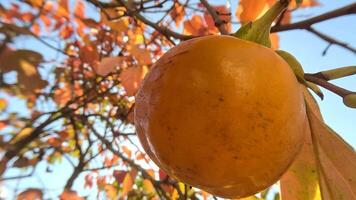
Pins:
x: 221, y: 114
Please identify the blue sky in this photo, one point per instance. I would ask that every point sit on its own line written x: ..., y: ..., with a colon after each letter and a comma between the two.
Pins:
x: 306, y: 47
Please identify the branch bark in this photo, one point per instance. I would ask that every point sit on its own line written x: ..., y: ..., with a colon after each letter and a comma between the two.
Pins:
x: 218, y: 22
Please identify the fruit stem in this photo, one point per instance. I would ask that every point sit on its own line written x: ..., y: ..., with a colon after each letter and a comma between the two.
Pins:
x: 259, y: 30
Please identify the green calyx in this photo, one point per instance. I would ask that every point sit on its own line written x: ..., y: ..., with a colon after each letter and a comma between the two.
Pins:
x: 294, y: 64
x: 299, y: 72
x: 259, y: 30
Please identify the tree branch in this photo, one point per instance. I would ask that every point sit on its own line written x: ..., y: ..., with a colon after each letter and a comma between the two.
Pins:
x: 346, y: 10
x: 218, y: 22
x: 331, y: 40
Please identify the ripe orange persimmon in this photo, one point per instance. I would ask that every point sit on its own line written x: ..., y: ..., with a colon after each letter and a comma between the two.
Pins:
x: 221, y: 114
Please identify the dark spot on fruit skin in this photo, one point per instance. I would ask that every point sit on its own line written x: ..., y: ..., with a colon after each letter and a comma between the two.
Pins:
x: 221, y: 99
x: 180, y: 53
x: 235, y: 157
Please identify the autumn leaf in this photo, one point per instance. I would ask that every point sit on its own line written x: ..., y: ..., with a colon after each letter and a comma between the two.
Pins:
x: 177, y: 13
x: 128, y: 183
x: 336, y: 160
x: 224, y: 15
x: 22, y: 134
x: 79, y: 9
x: 147, y: 185
x: 66, y: 31
x: 111, y: 192
x: 301, y: 181
x: 70, y: 195
x: 3, y: 104
x: 30, y: 194
x: 142, y: 55
x: 108, y: 65
x: 119, y: 175
x: 131, y: 78
x: 249, y: 10
x: 195, y: 26
x: 25, y: 62
x: 326, y: 165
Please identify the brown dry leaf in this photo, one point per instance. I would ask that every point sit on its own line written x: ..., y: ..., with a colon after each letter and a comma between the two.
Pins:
x: 108, y: 65
x: 195, y: 26
x: 30, y: 194
x: 70, y: 195
x: 131, y: 78
x: 249, y: 10
x: 25, y: 62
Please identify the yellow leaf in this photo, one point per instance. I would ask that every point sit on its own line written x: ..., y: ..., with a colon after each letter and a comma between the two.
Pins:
x: 111, y: 192
x: 336, y: 160
x: 147, y: 185
x: 3, y: 104
x: 301, y: 181
x: 22, y: 134
x: 131, y: 78
x: 128, y: 182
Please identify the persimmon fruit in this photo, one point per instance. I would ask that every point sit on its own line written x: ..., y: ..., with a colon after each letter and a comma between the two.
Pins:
x: 221, y: 114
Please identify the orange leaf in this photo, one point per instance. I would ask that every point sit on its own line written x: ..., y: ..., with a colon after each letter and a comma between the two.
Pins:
x: 70, y: 195
x: 126, y: 150
x: 249, y: 10
x: 131, y: 78
x: 79, y: 9
x: 66, y: 31
x: 142, y: 55
x: 223, y: 15
x: 128, y: 182
x: 195, y: 26
x: 30, y: 194
x: 177, y: 13
x: 111, y: 192
x: 108, y: 65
